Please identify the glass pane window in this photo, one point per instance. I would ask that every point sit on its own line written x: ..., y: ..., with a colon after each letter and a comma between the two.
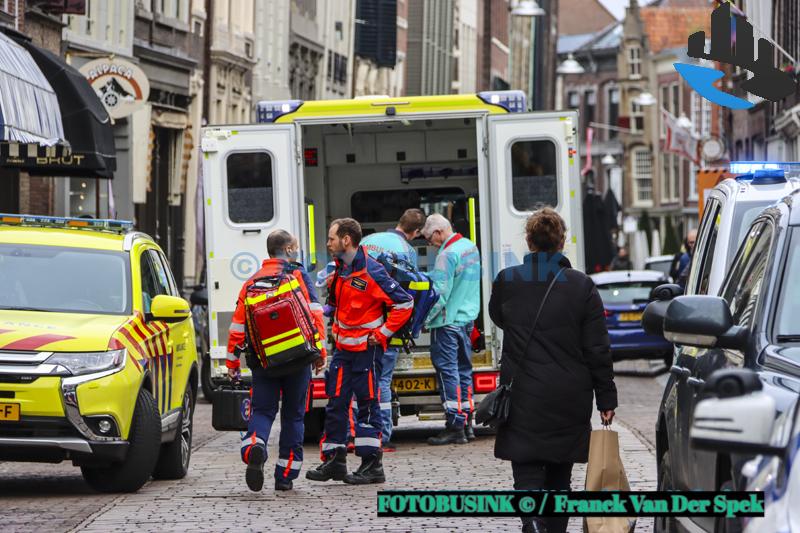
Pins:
x: 635, y: 61
x: 589, y: 102
x: 613, y: 111
x: 626, y: 293
x: 250, y: 188
x: 534, y: 180
x: 789, y: 306
x: 643, y: 174
x: 573, y: 99
x: 747, y: 274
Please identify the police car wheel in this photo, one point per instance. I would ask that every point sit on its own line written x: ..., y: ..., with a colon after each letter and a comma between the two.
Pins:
x: 144, y: 441
x: 665, y: 524
x: 173, y: 461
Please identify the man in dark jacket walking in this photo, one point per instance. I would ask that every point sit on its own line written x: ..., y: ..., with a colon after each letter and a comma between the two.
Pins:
x: 556, y: 368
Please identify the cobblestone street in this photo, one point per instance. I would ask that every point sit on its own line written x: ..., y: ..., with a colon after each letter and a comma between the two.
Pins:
x: 213, y: 497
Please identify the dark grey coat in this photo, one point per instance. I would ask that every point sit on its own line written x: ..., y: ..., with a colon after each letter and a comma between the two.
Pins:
x: 556, y: 373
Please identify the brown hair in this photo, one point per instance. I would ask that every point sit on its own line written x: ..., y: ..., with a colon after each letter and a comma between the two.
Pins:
x: 413, y: 220
x: 545, y: 230
x: 348, y: 226
x: 278, y: 241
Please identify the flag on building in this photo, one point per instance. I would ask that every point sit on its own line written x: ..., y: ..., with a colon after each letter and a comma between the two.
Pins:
x: 680, y: 140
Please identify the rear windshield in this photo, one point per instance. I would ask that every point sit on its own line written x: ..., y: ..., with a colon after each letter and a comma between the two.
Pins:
x: 71, y: 280
x: 628, y: 292
x: 662, y: 265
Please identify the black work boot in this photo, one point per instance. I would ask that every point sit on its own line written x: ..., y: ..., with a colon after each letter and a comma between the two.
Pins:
x: 469, y: 432
x: 370, y: 471
x: 334, y: 467
x: 450, y: 435
x: 283, y: 484
x: 255, y: 468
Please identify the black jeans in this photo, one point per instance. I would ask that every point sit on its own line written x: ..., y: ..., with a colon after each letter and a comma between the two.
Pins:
x: 543, y: 476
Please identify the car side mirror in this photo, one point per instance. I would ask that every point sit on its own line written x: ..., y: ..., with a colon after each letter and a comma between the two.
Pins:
x: 704, y: 322
x: 732, y: 382
x: 665, y: 292
x: 170, y: 309
x: 199, y: 296
x: 738, y: 425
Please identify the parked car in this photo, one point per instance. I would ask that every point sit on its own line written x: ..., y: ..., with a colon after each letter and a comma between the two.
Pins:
x: 660, y: 263
x: 740, y: 407
x: 97, y: 356
x: 625, y: 295
x: 752, y: 324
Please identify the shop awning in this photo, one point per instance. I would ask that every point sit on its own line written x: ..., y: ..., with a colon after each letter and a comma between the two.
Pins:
x: 29, y: 107
x: 87, y: 126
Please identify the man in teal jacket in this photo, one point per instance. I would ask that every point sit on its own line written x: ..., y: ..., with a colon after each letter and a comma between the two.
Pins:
x: 394, y: 241
x: 457, y: 278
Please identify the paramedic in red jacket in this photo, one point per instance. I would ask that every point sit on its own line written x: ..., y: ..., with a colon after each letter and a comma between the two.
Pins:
x: 369, y: 308
x: 267, y: 391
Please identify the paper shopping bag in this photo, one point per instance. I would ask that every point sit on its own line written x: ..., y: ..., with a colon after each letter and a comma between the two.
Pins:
x: 605, y: 472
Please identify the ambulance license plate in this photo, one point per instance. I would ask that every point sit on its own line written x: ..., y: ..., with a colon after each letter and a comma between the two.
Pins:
x: 9, y: 412
x: 414, y: 384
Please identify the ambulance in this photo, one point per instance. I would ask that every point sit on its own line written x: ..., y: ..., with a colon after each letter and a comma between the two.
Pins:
x: 481, y: 160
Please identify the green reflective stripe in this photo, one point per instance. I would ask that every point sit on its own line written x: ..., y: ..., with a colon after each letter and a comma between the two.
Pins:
x: 396, y: 342
x: 285, y: 345
x: 282, y: 288
x: 472, y: 229
x: 419, y: 285
x: 283, y: 335
x: 312, y: 245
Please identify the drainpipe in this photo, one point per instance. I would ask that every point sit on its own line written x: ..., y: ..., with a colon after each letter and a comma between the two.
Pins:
x: 207, y: 60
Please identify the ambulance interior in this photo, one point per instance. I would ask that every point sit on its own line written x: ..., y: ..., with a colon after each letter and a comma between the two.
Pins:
x: 373, y: 172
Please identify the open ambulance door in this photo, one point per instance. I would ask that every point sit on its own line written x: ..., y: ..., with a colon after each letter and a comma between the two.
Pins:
x: 533, y: 161
x: 251, y: 188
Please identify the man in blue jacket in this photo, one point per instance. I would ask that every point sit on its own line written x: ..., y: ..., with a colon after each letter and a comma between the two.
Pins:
x: 457, y: 278
x: 396, y: 241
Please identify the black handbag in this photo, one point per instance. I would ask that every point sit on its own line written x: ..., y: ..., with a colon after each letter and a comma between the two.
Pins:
x: 230, y: 410
x: 495, y: 407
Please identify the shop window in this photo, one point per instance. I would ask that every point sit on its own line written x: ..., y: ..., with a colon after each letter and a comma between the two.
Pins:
x: 250, y: 188
x: 534, y: 180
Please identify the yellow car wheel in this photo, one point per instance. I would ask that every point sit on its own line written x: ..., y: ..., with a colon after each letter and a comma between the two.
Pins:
x: 144, y: 443
x: 173, y: 462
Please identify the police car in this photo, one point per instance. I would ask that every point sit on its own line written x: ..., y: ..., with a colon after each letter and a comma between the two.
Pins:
x: 97, y: 357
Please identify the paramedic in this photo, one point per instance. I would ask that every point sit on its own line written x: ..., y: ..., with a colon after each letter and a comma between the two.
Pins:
x: 360, y: 291
x: 395, y: 241
x: 457, y: 278
x: 267, y: 391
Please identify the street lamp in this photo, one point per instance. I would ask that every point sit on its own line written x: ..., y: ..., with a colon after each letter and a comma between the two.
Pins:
x: 570, y: 66
x: 608, y: 160
x: 527, y: 8
x: 645, y: 99
x: 684, y: 122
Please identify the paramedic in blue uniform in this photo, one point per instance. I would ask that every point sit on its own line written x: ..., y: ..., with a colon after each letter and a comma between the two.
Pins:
x: 457, y: 278
x: 396, y: 241
x: 291, y: 390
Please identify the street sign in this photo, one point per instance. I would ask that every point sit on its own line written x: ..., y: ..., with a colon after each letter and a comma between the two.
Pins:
x: 122, y: 86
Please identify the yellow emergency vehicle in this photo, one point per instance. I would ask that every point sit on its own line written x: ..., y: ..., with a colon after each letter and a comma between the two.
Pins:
x: 481, y: 160
x: 97, y: 357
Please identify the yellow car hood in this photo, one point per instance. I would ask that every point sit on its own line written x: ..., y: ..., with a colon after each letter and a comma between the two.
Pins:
x: 57, y: 332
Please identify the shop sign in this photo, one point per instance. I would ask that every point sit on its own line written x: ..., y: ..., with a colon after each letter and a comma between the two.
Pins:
x: 122, y: 86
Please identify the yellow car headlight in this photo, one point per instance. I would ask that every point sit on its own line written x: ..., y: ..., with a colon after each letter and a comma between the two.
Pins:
x: 79, y: 363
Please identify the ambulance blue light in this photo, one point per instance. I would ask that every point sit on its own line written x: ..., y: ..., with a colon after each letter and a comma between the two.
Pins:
x: 769, y: 176
x: 511, y: 101
x: 748, y: 167
x: 115, y: 226
x: 268, y: 111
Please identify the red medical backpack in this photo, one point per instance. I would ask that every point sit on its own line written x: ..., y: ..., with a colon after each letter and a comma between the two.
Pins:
x: 280, y: 327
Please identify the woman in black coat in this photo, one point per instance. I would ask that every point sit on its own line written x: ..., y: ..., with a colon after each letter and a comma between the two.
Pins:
x: 556, y: 369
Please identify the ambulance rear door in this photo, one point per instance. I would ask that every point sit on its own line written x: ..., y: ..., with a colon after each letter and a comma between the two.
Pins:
x: 533, y: 162
x: 250, y: 188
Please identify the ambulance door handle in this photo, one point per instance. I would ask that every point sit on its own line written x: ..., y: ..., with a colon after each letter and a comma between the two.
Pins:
x: 255, y: 231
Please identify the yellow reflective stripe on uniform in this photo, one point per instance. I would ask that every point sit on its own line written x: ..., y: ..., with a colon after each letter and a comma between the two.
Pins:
x: 319, y: 345
x: 285, y: 345
x: 281, y: 336
x: 419, y: 285
x: 282, y: 288
x: 396, y: 342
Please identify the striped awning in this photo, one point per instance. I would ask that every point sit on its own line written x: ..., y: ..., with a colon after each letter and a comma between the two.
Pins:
x: 29, y: 110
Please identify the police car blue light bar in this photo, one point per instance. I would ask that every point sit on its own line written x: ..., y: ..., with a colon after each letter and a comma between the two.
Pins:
x: 749, y: 167
x: 512, y: 101
x: 268, y: 111
x: 117, y: 226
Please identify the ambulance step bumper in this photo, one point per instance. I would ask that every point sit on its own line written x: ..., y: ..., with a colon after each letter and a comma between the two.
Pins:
x: 56, y: 449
